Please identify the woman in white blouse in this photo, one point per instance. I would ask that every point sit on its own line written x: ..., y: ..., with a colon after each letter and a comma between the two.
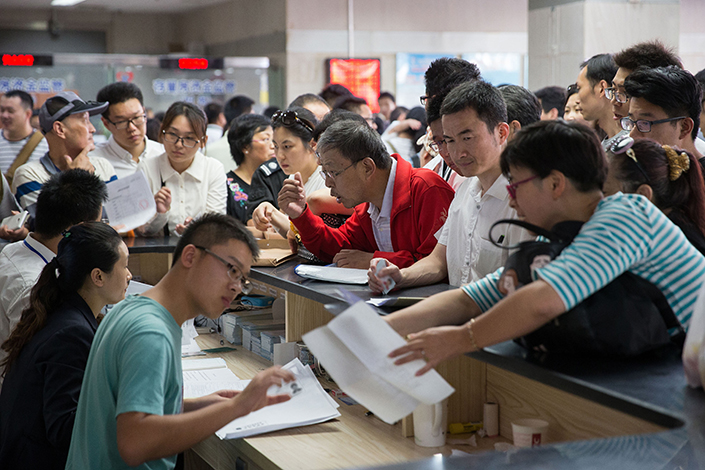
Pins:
x: 185, y: 182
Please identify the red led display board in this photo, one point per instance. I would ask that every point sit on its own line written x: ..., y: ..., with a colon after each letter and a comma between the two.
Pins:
x: 360, y: 76
x: 193, y: 64
x: 26, y: 60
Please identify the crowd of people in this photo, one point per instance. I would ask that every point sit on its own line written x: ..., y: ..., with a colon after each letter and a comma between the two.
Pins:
x: 617, y: 151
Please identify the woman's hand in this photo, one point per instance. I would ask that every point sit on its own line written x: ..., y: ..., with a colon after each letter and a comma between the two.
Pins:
x: 181, y: 227
x: 292, y: 197
x: 262, y: 216
x: 434, y: 345
x: 163, y: 200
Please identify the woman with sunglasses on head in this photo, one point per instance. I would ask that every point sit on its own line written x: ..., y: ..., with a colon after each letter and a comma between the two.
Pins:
x: 185, y: 183
x: 295, y: 152
x: 251, y: 145
x: 48, y: 349
x: 669, y: 177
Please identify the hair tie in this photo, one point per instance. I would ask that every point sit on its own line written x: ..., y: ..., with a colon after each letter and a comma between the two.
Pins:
x: 677, y: 163
x: 66, y: 234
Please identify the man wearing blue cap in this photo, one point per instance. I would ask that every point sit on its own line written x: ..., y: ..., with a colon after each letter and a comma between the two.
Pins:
x: 65, y: 121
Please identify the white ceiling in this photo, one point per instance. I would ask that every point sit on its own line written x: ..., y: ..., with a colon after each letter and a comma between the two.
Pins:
x: 119, y: 5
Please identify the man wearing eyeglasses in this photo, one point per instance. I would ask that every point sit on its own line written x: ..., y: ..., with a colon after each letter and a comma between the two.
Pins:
x: 126, y: 120
x: 665, y: 106
x: 65, y: 121
x: 646, y: 54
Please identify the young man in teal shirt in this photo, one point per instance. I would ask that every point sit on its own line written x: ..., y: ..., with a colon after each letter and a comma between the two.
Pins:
x: 131, y: 412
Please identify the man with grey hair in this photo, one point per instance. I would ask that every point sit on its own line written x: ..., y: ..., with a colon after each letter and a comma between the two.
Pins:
x: 398, y: 209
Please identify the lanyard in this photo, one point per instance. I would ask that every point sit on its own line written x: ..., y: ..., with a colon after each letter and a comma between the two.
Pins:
x: 35, y: 252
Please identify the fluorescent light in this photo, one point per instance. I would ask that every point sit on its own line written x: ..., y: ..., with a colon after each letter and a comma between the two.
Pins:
x: 65, y: 3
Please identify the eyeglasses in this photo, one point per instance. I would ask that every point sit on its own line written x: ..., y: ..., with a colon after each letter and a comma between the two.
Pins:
x: 611, y: 93
x: 333, y: 174
x: 187, y: 142
x: 135, y: 121
x: 234, y: 272
x: 624, y: 145
x: 436, y: 146
x: 643, y: 125
x: 512, y: 187
x: 289, y: 118
x: 423, y: 99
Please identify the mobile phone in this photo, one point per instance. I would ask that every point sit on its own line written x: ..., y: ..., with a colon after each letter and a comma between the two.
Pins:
x: 15, y: 222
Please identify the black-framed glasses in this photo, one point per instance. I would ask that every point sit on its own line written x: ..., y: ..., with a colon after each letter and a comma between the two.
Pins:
x: 135, y: 121
x: 512, y: 187
x: 332, y: 174
x: 172, y: 138
x: 611, y: 93
x: 643, y: 125
x: 233, y: 272
x: 624, y: 146
x: 289, y: 118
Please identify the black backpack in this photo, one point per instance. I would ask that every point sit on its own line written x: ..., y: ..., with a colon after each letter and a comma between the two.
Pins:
x: 627, y: 317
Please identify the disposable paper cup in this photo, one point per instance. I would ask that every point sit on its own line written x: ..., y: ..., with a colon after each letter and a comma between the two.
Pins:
x: 529, y: 432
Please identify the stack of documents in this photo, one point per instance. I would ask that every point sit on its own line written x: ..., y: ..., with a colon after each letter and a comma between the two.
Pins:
x: 354, y: 349
x: 205, y: 376
x: 189, y: 347
x: 311, y: 405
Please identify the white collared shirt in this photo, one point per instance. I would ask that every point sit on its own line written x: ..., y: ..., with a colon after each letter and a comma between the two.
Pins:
x: 199, y: 189
x: 470, y: 255
x: 121, y: 159
x: 214, y: 133
x: 220, y: 150
x: 381, y: 217
x: 21, y: 263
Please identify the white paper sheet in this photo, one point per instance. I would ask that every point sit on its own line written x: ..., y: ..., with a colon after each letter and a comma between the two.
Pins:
x: 130, y: 202
x: 312, y: 405
x: 198, y: 383
x: 332, y: 274
x: 354, y: 348
x: 203, y: 364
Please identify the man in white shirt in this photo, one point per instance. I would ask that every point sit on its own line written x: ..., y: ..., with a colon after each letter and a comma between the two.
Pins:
x: 216, y: 121
x: 220, y: 149
x: 68, y: 198
x: 126, y: 120
x: 475, y: 130
x: 65, y: 122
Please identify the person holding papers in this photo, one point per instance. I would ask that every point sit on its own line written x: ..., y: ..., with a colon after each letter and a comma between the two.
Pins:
x: 398, y: 209
x: 130, y: 412
x: 185, y: 183
x: 48, y: 350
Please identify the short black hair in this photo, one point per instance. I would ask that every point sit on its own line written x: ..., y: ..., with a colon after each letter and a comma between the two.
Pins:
x: 332, y: 92
x: 481, y: 96
x: 443, y: 87
x: 68, y: 198
x: 119, y: 92
x: 600, y: 67
x: 213, y: 229
x: 297, y: 128
x: 25, y: 98
x: 349, y: 103
x: 213, y: 110
x: 700, y: 77
x: 650, y: 54
x: 441, y: 69
x: 418, y: 113
x: 242, y: 130
x: 236, y: 106
x: 673, y: 89
x: 270, y: 111
x: 568, y: 147
x: 333, y: 117
x: 552, y: 97
x: 355, y: 141
x: 386, y: 94
x: 302, y: 100
x: 522, y: 105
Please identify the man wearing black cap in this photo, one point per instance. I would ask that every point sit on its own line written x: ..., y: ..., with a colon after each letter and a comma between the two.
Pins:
x: 65, y: 121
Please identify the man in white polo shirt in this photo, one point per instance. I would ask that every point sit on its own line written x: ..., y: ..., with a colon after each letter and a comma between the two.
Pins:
x: 126, y: 120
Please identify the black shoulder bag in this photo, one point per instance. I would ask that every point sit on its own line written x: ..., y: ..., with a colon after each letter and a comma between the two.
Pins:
x: 627, y: 317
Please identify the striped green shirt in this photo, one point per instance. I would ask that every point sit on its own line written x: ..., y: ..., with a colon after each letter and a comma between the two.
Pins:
x: 626, y: 233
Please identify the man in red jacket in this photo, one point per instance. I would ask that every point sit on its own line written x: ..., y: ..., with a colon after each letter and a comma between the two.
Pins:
x: 398, y: 209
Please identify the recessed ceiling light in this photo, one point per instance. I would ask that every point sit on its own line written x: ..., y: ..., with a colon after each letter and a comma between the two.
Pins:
x: 65, y: 3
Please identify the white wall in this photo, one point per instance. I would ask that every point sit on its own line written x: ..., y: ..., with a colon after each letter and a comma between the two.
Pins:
x: 692, y: 38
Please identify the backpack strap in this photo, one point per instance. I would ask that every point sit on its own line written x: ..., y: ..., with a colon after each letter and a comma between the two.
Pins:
x: 526, y: 225
x: 24, y: 155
